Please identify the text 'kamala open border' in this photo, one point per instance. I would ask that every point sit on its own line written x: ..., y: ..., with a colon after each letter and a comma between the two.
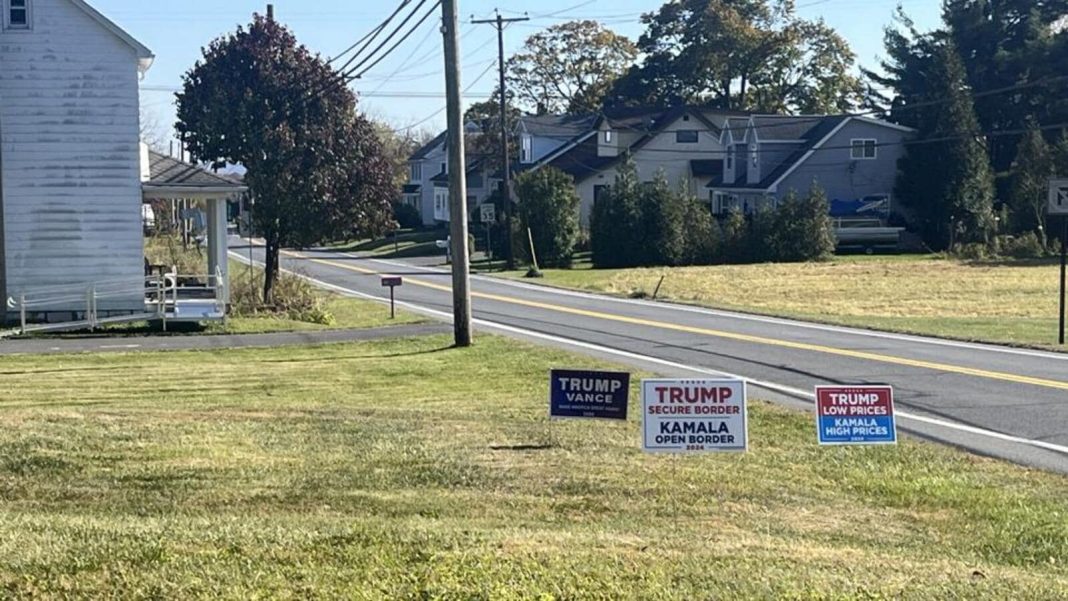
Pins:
x: 694, y: 416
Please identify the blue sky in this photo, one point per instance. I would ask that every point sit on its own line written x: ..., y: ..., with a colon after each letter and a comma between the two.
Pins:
x: 406, y: 87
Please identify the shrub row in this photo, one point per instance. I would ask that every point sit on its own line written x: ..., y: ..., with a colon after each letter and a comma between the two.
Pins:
x: 635, y: 224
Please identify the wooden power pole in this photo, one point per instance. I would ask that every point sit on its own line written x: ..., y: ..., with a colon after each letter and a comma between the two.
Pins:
x: 461, y: 279
x: 506, y: 165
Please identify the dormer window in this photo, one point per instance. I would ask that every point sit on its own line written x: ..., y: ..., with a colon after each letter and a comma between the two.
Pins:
x: 526, y: 149
x: 730, y: 158
x: 608, y: 137
x: 17, y: 15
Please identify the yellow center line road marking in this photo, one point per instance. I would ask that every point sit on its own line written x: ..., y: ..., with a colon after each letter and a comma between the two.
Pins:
x: 801, y: 346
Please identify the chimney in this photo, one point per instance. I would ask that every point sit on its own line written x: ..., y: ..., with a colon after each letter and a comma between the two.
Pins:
x: 270, y: 12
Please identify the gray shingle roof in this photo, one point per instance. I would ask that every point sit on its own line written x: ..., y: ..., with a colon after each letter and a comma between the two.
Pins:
x: 167, y: 171
x: 777, y: 127
x: 425, y: 149
x: 557, y: 126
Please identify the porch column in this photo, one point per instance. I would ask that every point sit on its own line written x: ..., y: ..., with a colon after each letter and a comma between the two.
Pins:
x: 218, y: 245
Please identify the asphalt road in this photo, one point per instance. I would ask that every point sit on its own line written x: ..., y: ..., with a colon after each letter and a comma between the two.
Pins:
x: 996, y: 401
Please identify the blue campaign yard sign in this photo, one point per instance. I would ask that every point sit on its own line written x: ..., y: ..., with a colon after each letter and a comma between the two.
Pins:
x: 848, y: 415
x: 588, y: 394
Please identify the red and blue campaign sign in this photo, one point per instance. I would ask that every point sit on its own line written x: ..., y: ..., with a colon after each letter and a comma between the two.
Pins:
x: 588, y: 394
x: 694, y: 416
x: 855, y: 415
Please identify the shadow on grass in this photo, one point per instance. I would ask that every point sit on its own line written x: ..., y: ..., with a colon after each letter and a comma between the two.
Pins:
x: 361, y: 357
x: 1044, y: 262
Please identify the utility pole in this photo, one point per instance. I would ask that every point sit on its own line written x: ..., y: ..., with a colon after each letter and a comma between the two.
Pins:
x: 461, y: 278
x: 506, y: 183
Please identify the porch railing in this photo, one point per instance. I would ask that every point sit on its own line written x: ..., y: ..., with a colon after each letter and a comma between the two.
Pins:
x: 162, y: 294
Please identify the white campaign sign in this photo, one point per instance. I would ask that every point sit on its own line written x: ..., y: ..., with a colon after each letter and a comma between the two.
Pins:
x: 1058, y: 197
x: 694, y: 416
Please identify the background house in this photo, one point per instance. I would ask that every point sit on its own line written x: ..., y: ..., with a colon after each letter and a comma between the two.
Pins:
x: 726, y: 158
x: 684, y: 144
x: 854, y: 159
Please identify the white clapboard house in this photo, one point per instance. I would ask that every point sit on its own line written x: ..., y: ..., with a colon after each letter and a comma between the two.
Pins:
x: 71, y: 165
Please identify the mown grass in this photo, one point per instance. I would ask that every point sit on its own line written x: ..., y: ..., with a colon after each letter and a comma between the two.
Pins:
x: 346, y: 312
x: 395, y: 470
x: 405, y: 244
x: 1013, y: 303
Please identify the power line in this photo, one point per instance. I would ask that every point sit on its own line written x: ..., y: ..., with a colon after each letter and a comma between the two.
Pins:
x: 407, y: 128
x: 402, y: 40
x: 370, y: 36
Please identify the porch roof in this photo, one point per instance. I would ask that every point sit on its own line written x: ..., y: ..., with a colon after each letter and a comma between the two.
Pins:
x: 170, y: 178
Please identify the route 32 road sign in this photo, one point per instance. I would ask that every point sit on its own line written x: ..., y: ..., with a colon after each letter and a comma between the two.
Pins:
x: 1058, y: 197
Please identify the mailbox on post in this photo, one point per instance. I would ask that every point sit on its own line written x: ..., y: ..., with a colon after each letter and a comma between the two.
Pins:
x: 392, y: 282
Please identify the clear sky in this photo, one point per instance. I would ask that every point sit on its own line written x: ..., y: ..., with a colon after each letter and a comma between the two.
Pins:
x: 407, y: 87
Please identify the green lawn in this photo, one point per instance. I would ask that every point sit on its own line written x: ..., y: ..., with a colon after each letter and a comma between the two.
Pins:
x: 348, y: 313
x: 406, y: 244
x: 1013, y: 303
x: 406, y: 469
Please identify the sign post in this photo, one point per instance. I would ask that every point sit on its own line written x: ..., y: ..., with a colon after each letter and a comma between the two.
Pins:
x: 392, y: 282
x: 588, y: 394
x: 1058, y: 207
x: 694, y: 416
x: 488, y: 214
x: 855, y: 415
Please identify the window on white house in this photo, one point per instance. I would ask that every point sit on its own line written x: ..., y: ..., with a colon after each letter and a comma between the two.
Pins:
x: 754, y: 154
x: 864, y: 149
x: 608, y: 137
x: 444, y: 168
x: 686, y: 136
x: 526, y: 149
x: 730, y: 158
x: 416, y: 170
x: 18, y: 14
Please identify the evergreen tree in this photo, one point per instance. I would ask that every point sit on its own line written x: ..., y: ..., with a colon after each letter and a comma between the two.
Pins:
x: 803, y: 227
x: 549, y: 208
x: 1031, y: 172
x: 1060, y: 155
x: 702, y: 234
x: 759, y: 241
x: 664, y: 214
x: 616, y: 229
x: 946, y: 179
x: 735, y: 237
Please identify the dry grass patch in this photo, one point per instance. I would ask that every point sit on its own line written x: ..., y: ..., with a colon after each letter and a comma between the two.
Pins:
x: 1010, y: 303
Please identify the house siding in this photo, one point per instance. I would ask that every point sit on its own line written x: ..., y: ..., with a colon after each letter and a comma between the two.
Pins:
x: 844, y: 178
x: 71, y: 156
x: 663, y: 154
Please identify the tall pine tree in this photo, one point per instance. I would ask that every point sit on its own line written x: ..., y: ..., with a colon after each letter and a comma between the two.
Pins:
x: 1031, y: 172
x: 946, y: 179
